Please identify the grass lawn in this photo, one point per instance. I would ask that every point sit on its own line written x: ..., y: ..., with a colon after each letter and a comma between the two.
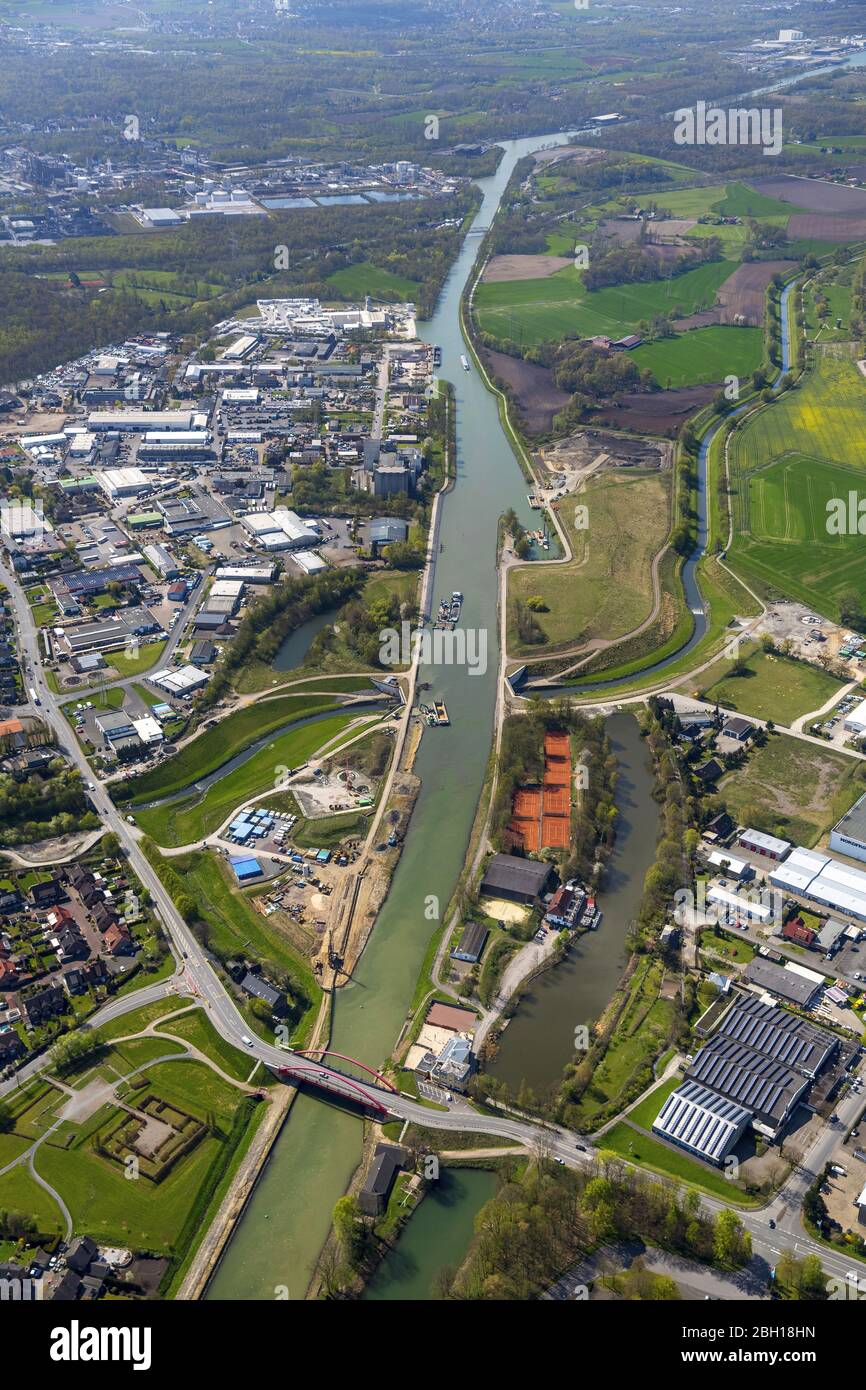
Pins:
x: 197, y: 1029
x: 606, y: 589
x: 649, y: 1153
x: 729, y: 949
x: 702, y: 355
x: 793, y: 789
x: 772, y: 687
x: 21, y: 1192
x: 144, y: 1214
x: 531, y: 311
x: 182, y: 822
x: 216, y: 746
x: 646, y: 1112
x: 362, y: 279
x: 137, y: 1019
x: 148, y: 655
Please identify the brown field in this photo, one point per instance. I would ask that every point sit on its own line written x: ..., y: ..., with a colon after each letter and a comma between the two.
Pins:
x: 814, y: 225
x: 705, y: 319
x: 523, y: 267
x: 621, y: 229
x: 668, y: 227
x: 656, y: 412
x: 744, y: 292
x: 813, y: 194
x: 538, y: 397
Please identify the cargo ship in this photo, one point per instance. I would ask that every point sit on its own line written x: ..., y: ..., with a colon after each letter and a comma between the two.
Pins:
x: 464, y: 361
x: 437, y: 355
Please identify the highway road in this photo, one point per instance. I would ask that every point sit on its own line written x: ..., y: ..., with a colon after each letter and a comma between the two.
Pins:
x: 196, y: 977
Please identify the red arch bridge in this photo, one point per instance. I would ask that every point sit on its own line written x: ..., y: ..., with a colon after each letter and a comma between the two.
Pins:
x: 300, y: 1069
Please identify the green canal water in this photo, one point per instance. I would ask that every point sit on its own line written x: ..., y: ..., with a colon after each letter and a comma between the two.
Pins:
x: 436, y: 1238
x: 288, y: 1217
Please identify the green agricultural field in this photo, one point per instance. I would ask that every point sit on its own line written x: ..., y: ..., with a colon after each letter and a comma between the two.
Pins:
x: 362, y: 279
x: 533, y: 311
x: 742, y: 201
x: 771, y: 687
x: 185, y: 821
x: 229, y: 737
x: 788, y: 461
x: 702, y: 355
x: 794, y: 789
x: 606, y: 589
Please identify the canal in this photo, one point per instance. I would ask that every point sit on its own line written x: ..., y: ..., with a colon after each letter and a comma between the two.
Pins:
x: 288, y: 1217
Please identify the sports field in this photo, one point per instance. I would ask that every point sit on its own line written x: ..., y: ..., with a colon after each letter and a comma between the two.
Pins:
x: 787, y: 464
x: 533, y: 311
x: 606, y: 589
x: 702, y: 355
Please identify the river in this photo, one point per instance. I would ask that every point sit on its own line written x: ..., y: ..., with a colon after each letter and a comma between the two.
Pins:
x: 288, y: 1217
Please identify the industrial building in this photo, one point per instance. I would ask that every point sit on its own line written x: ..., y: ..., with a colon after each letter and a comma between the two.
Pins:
x: 784, y: 982
x: 280, y: 529
x: 769, y: 1090
x: 180, y: 680
x: 702, y: 1122
x: 770, y: 846
x: 824, y: 881
x: 123, y: 482
x: 471, y: 943
x: 779, y: 1034
x: 855, y: 720
x: 139, y: 421
x: 162, y: 561
x: 848, y: 835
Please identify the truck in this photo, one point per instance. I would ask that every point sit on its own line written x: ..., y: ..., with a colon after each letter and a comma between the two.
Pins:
x: 33, y: 696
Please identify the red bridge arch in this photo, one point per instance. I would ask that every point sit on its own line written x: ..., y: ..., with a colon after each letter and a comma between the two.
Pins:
x: 315, y: 1052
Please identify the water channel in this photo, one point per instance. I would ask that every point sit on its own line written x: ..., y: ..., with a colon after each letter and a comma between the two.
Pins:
x: 289, y: 1215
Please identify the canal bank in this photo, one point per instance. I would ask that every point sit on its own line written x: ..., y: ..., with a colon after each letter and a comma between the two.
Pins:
x: 288, y: 1217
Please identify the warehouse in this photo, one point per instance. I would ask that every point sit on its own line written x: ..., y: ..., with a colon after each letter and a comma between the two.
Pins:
x: 123, y: 482
x: 701, y: 1122
x: 518, y: 880
x: 770, y: 1091
x: 248, y: 574
x: 280, y: 529
x: 736, y: 905
x: 756, y: 842
x: 785, y: 984
x: 848, y: 835
x: 778, y: 1034
x: 246, y: 869
x: 824, y: 881
x: 182, y: 681
x: 162, y: 561
x: 141, y: 420
x: 309, y: 561
x: 855, y: 720
x: 798, y: 870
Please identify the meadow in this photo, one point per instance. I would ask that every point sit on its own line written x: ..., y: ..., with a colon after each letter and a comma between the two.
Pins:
x: 606, y: 589
x: 770, y: 687
x: 702, y: 355
x: 534, y: 311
